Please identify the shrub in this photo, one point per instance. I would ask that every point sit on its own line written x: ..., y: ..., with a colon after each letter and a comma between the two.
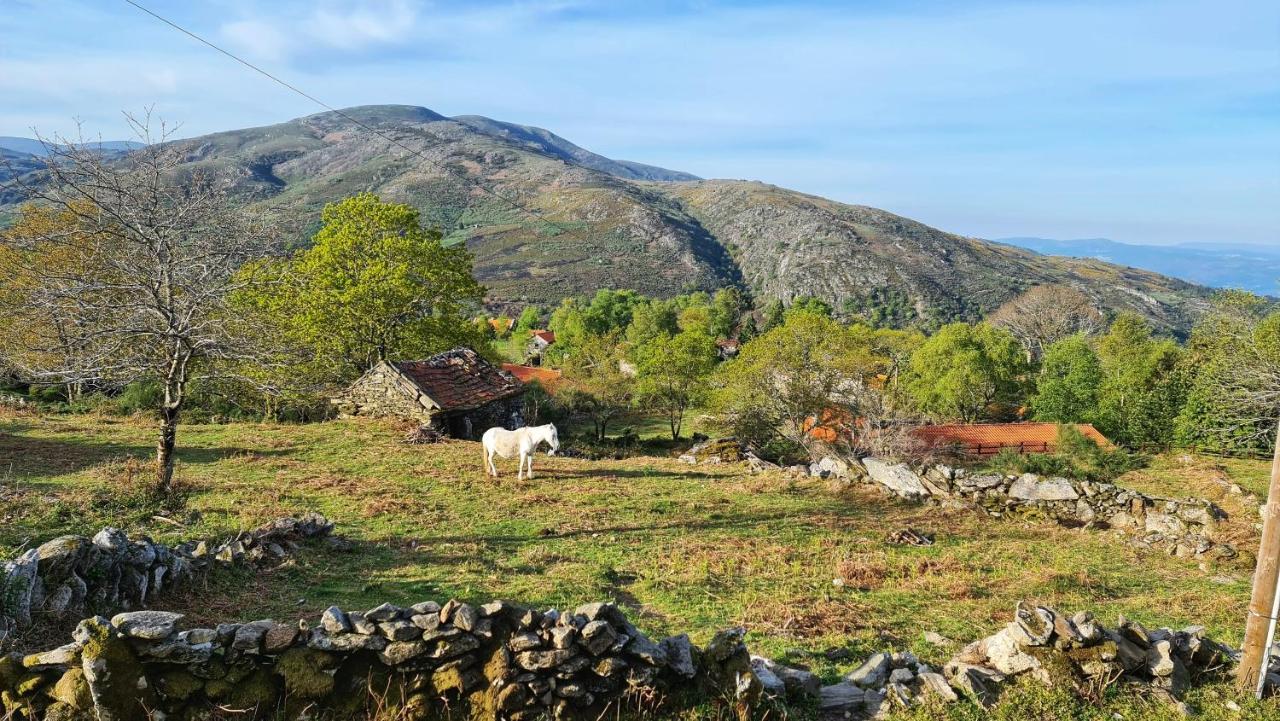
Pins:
x: 1075, y: 456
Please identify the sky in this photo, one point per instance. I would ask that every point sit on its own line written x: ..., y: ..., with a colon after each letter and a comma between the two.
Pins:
x: 1147, y: 122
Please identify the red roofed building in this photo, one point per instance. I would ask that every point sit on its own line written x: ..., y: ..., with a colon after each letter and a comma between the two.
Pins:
x: 548, y: 378
x: 988, y: 439
x: 539, y: 341
x: 457, y: 391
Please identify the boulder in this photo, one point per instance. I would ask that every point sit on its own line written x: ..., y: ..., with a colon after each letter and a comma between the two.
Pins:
x: 840, y: 698
x: 897, y: 477
x: 149, y: 625
x: 1030, y: 487
x: 872, y: 673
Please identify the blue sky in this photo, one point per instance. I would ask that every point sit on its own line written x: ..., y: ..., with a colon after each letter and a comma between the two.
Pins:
x: 1154, y: 122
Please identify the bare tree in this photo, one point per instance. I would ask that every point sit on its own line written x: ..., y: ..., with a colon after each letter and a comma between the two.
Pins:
x: 1045, y: 314
x: 120, y: 270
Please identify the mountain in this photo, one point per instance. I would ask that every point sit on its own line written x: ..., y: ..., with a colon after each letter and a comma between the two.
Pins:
x: 616, y: 224
x: 1254, y: 268
x: 31, y: 146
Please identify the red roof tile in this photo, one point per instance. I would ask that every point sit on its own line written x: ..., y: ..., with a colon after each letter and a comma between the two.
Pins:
x: 546, y: 335
x: 460, y: 379
x: 991, y: 436
x: 547, y: 377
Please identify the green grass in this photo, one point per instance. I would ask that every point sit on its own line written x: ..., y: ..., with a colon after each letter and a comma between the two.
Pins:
x: 685, y: 549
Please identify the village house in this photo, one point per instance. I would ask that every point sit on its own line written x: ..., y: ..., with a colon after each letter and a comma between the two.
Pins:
x: 548, y: 378
x: 539, y: 341
x: 727, y: 348
x: 457, y: 392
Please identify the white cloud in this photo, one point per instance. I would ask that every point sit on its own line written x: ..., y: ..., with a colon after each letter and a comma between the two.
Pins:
x: 343, y: 26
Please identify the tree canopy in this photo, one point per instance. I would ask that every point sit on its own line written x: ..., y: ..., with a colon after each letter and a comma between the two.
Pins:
x: 374, y: 285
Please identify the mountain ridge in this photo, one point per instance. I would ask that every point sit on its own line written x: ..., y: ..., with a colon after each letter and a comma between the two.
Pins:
x: 616, y: 224
x: 1252, y: 268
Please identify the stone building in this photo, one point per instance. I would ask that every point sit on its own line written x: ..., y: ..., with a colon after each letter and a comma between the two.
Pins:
x: 539, y: 342
x: 457, y: 392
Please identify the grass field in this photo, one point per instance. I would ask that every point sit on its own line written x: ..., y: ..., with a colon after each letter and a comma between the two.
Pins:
x: 685, y: 549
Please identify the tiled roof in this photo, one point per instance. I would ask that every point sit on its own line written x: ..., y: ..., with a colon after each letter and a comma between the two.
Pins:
x: 501, y: 325
x: 460, y: 379
x: 547, y: 377
x: 546, y: 335
x: 1033, y: 436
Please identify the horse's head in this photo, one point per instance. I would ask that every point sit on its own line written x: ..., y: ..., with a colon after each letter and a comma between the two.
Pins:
x: 552, y: 438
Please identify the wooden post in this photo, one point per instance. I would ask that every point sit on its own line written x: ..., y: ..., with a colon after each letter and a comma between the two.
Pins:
x: 1266, y: 576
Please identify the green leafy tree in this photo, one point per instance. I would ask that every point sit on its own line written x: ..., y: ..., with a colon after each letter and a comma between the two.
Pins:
x: 1233, y: 366
x: 374, y: 285
x: 748, y: 329
x: 962, y: 370
x: 529, y: 319
x: 610, y: 310
x: 1068, y: 383
x: 809, y: 304
x: 1142, y: 390
x: 595, y: 383
x: 773, y: 315
x: 726, y: 309
x: 788, y: 376
x: 673, y: 373
x: 651, y: 322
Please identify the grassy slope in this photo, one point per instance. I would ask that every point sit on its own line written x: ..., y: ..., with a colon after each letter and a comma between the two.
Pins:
x: 686, y: 549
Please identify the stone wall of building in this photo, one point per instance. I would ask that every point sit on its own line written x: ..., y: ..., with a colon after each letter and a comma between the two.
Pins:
x: 383, y: 393
x: 503, y: 413
x: 71, y: 576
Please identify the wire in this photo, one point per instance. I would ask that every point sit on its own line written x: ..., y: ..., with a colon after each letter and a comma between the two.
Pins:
x: 464, y: 178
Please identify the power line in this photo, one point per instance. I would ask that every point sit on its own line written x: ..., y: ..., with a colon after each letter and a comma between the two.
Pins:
x: 464, y: 178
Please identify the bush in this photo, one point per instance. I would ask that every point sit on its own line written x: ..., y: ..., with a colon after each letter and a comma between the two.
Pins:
x: 140, y: 397
x: 1076, y: 456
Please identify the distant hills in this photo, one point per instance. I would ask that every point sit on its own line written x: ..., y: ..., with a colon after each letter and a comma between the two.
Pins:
x: 1254, y: 268
x: 31, y: 146
x: 621, y: 224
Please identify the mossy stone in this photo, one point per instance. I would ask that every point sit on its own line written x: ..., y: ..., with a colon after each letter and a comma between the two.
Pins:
x: 29, y: 684
x: 179, y: 684
x: 10, y: 668
x: 117, y: 680
x: 73, y: 690
x: 307, y: 672
x: 255, y: 691
x: 59, y: 711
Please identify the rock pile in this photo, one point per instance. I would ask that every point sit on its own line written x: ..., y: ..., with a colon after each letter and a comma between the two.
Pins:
x: 498, y: 660
x: 717, y: 450
x: 1184, y: 527
x: 1056, y: 649
x: 884, y: 682
x: 70, y: 576
x: 1080, y: 652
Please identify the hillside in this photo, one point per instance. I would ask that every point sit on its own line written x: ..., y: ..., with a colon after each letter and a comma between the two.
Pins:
x: 807, y: 567
x: 627, y: 225
x: 1252, y: 267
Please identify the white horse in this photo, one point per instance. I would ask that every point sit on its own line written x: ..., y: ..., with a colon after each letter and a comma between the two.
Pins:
x: 522, y: 442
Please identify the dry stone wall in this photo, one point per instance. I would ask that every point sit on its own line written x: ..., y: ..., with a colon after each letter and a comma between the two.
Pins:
x: 495, y: 661
x: 70, y: 576
x: 1071, y: 651
x: 504, y: 661
x: 1184, y: 527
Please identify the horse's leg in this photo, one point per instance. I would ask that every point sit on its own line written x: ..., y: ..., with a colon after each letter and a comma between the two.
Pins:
x: 520, y: 472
